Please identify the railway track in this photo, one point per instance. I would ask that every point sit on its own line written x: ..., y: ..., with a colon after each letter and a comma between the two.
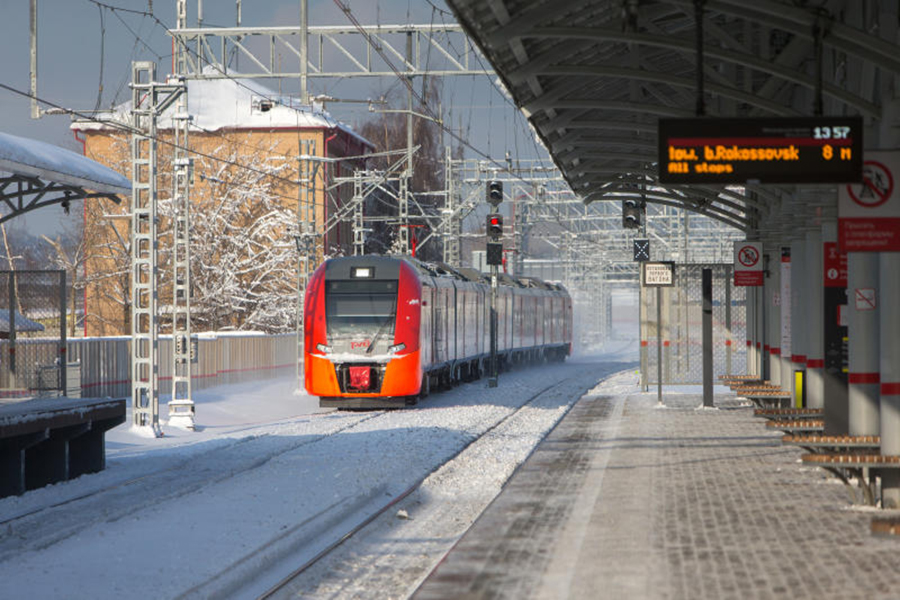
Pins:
x: 52, y: 522
x: 283, y: 586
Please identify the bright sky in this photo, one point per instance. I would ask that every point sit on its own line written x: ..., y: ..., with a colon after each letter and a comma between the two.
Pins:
x: 76, y: 36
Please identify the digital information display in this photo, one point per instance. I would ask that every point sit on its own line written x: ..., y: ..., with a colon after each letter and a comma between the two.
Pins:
x: 764, y: 150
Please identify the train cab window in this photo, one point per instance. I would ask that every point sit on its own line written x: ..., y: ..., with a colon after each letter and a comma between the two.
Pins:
x: 359, y: 306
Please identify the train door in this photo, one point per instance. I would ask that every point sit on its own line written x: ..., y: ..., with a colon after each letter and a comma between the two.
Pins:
x: 439, y: 324
x: 426, y: 326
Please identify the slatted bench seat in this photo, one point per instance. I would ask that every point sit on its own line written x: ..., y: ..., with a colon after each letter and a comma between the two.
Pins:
x: 788, y: 414
x: 886, y: 526
x: 860, y: 465
x: 768, y: 399
x: 833, y: 443
x: 798, y: 425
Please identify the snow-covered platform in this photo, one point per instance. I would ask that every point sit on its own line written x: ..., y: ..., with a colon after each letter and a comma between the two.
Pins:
x: 48, y: 440
x: 625, y: 499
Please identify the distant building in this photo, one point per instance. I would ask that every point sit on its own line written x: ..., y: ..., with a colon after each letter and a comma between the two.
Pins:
x: 236, y: 122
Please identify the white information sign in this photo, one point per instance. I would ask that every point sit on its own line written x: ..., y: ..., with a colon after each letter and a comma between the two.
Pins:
x: 657, y: 274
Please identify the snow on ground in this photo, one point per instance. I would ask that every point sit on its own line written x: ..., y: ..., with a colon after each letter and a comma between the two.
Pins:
x: 269, y: 480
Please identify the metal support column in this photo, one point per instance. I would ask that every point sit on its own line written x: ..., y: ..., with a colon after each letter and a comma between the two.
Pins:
x: 144, y: 322
x: 492, y: 380
x: 403, y: 202
x: 306, y: 226
x: 181, y: 406
x: 359, y: 232
x: 729, y: 338
x: 451, y: 224
x: 863, y: 388
x: 707, y: 338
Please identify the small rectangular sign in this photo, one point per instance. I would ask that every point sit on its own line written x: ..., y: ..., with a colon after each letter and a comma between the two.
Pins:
x: 657, y: 274
x: 834, y: 263
x: 761, y: 150
x: 865, y: 298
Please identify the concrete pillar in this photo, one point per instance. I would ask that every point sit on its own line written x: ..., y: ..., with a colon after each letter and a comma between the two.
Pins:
x: 785, y: 333
x: 815, y: 355
x: 773, y: 303
x: 799, y: 324
x: 863, y: 393
x: 889, y: 295
x: 834, y: 376
x: 750, y: 318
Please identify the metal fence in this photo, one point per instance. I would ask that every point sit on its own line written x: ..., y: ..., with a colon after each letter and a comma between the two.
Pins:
x: 218, y: 359
x: 32, y: 333
x: 681, y: 327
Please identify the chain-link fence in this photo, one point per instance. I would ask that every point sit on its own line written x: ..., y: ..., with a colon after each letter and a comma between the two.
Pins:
x: 32, y: 333
x: 681, y: 327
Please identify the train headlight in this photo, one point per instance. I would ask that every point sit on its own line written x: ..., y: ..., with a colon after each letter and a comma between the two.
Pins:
x: 323, y: 348
x: 396, y: 348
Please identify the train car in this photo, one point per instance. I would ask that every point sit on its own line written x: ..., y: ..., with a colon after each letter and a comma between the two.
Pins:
x: 383, y: 331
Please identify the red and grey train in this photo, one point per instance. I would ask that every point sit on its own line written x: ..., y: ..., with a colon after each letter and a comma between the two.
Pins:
x: 382, y: 331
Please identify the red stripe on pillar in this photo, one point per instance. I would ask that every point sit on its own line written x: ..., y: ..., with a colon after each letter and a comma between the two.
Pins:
x: 749, y: 343
x: 758, y: 345
x: 864, y: 378
x: 765, y: 347
x: 798, y: 358
x: 775, y: 351
x: 815, y: 363
x: 890, y: 389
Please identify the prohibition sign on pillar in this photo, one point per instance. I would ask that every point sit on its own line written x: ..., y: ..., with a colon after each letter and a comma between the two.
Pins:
x: 876, y: 188
x: 748, y: 256
x: 747, y: 264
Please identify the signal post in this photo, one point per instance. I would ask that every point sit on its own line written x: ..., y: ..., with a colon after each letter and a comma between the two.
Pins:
x: 494, y: 229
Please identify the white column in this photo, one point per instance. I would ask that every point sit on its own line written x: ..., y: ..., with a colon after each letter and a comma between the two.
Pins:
x: 864, y: 340
x: 815, y: 344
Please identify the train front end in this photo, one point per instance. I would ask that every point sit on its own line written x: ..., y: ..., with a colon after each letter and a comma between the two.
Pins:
x: 361, y: 333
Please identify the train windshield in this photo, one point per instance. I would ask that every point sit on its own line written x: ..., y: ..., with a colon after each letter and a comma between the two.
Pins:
x: 360, y: 306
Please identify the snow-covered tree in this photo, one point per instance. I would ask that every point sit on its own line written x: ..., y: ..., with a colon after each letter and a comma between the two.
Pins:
x: 243, y: 254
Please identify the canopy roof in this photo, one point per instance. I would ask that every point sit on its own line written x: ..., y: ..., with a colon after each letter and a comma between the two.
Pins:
x: 594, y: 76
x: 35, y: 174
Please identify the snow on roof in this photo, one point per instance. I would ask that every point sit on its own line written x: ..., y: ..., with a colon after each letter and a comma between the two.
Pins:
x: 23, y: 156
x: 22, y: 323
x: 234, y: 103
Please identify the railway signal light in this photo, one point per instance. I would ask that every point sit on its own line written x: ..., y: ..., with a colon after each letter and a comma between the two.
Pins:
x: 495, y: 193
x: 631, y: 214
x: 495, y: 226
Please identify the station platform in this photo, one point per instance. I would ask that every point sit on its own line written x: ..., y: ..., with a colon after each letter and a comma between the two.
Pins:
x: 624, y: 499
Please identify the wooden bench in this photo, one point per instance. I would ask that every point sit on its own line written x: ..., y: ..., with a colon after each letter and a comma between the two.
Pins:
x: 886, y: 526
x: 768, y: 399
x: 862, y: 465
x: 788, y: 414
x: 798, y: 425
